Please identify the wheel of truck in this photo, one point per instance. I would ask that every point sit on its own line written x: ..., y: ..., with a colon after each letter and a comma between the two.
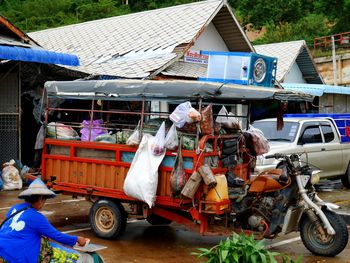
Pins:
x: 154, y: 219
x: 331, y: 245
x: 108, y: 219
x: 345, y: 179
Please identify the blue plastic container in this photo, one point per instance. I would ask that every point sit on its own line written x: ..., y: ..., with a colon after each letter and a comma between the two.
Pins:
x: 240, y: 68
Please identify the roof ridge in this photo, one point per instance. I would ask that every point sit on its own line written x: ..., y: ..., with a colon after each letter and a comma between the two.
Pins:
x: 127, y: 15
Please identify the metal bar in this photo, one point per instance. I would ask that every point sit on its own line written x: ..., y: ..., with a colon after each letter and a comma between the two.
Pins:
x: 19, y: 114
x: 10, y: 113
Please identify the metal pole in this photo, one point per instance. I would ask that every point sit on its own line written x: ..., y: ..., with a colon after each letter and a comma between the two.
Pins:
x: 334, y: 63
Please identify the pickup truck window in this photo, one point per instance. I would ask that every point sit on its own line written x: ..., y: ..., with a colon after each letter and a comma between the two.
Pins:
x: 287, y: 134
x: 311, y: 134
x: 327, y: 133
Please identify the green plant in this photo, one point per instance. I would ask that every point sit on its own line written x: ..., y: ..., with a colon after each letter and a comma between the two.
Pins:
x: 241, y: 249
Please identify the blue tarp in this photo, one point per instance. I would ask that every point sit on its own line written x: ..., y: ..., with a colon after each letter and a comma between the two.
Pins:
x: 37, y: 55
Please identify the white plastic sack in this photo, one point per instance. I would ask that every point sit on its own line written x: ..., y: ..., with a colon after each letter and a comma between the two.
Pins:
x: 10, y: 176
x: 179, y: 115
x: 142, y: 179
x: 159, y: 141
x: 171, y: 139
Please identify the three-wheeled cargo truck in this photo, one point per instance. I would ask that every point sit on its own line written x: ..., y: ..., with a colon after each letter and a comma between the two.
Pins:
x: 97, y: 170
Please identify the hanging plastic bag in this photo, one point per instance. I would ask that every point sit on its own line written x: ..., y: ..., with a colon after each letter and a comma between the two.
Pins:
x: 134, y: 138
x: 180, y: 114
x: 193, y: 116
x: 171, y: 139
x: 141, y: 181
x: 91, y: 130
x: 178, y: 175
x: 10, y: 176
x: 259, y: 142
x: 159, y: 140
x: 207, y: 122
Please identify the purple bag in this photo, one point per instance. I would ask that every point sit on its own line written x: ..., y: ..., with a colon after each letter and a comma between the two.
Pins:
x: 96, y: 130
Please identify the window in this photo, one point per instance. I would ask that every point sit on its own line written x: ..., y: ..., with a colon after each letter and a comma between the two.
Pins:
x: 327, y: 133
x: 311, y: 134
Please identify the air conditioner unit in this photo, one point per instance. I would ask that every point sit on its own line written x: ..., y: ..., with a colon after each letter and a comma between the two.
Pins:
x: 240, y: 68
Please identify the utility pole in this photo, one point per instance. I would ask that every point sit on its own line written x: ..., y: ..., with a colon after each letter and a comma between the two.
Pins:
x: 334, y: 63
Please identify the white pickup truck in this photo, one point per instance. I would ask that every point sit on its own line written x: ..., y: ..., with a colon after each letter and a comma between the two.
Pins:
x: 318, y: 137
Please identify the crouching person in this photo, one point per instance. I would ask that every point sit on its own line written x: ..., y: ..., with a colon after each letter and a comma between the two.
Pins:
x: 25, y: 231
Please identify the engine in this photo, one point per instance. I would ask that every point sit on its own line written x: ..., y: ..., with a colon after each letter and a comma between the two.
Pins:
x: 261, y: 213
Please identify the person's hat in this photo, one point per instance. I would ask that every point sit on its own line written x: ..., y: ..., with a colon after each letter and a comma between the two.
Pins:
x: 37, y: 187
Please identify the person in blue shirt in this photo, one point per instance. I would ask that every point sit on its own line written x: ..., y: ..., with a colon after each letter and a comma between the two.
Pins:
x: 24, y: 229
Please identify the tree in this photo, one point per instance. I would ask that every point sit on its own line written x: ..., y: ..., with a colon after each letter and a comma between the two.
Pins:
x: 306, y: 28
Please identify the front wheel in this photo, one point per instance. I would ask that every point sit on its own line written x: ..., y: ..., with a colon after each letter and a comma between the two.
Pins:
x: 329, y: 246
x: 108, y: 219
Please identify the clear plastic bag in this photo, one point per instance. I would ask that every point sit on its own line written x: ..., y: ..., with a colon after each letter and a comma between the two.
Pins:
x: 159, y: 141
x: 171, y: 139
x: 10, y: 176
x: 180, y: 115
x: 193, y: 116
x: 178, y: 176
x: 134, y: 138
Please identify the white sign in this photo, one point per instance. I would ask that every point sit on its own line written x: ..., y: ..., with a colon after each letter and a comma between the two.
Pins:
x: 194, y: 56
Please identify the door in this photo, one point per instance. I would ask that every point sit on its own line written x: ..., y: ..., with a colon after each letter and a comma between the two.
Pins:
x: 9, y: 116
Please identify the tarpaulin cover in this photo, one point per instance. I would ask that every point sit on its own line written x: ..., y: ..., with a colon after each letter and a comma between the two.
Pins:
x: 123, y: 89
x: 37, y: 55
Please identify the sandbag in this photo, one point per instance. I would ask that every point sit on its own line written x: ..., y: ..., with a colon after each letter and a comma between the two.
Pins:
x: 142, y: 178
x: 11, y: 177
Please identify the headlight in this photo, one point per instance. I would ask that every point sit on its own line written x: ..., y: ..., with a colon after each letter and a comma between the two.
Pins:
x: 259, y: 70
x: 315, y: 177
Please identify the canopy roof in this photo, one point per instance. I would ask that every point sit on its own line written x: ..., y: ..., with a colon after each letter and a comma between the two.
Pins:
x: 122, y: 89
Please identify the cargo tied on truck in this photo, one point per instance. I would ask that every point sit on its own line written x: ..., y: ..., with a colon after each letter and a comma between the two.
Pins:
x: 165, y: 151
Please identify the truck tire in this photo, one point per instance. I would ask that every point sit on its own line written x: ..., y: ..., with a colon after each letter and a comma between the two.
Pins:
x: 158, y: 220
x: 330, y: 247
x: 108, y: 219
x: 345, y: 179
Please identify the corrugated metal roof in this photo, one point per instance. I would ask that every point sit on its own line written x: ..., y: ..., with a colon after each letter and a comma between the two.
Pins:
x: 135, y: 45
x: 287, y: 54
x: 188, y: 70
x: 316, y: 89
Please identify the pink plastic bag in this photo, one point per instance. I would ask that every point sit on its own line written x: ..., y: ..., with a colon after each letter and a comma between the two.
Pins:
x: 96, y: 130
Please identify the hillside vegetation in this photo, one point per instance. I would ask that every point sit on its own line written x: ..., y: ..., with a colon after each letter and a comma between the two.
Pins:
x: 283, y: 20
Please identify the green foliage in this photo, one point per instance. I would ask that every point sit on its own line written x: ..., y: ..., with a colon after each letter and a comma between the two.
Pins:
x: 261, y: 12
x: 285, y: 20
x: 241, y: 249
x: 306, y: 28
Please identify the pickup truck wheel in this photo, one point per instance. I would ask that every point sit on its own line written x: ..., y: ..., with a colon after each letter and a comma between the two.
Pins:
x: 345, y: 179
x: 108, y: 219
x: 158, y: 220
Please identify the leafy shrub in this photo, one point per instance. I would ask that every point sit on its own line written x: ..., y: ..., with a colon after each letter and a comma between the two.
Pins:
x: 241, y: 249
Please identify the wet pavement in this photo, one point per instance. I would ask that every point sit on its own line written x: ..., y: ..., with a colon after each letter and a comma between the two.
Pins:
x: 143, y: 242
